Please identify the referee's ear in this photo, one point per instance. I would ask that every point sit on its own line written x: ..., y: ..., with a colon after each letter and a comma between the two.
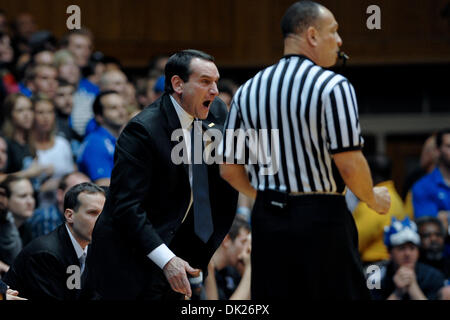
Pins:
x: 311, y: 36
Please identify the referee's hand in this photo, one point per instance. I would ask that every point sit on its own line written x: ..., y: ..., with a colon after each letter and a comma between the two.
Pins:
x: 382, y: 200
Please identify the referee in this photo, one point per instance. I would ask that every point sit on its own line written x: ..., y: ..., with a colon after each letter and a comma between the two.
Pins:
x: 302, y: 146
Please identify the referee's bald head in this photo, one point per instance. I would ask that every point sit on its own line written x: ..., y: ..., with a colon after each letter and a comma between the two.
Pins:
x: 299, y: 17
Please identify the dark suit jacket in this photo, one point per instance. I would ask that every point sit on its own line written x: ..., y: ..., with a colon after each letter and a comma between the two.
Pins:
x: 148, y: 198
x: 40, y: 270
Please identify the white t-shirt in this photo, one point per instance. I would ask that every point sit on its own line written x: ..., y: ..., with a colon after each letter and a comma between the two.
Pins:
x: 60, y: 156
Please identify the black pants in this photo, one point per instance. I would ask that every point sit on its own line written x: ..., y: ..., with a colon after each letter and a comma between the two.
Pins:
x: 307, y: 251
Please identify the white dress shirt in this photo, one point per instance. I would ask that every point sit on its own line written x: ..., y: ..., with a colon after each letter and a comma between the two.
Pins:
x: 162, y: 254
x: 79, y: 251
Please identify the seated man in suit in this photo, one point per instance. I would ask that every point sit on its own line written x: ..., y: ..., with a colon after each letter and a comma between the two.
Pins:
x: 46, y: 219
x: 163, y: 219
x: 44, y: 269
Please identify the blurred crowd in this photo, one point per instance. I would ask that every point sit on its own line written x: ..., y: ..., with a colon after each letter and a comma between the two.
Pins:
x: 62, y: 107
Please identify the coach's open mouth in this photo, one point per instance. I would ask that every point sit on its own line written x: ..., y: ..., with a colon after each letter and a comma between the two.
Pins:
x: 206, y: 103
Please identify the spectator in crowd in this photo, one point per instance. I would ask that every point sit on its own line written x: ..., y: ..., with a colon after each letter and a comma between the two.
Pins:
x: 141, y: 91
x: 114, y: 80
x: 428, y: 160
x: 227, y: 88
x: 52, y: 150
x: 24, y: 25
x: 68, y: 70
x: 45, y: 80
x: 3, y: 158
x: 432, y: 235
x: 43, y: 56
x: 157, y: 64
x: 431, y: 194
x: 25, y: 80
x: 21, y: 204
x: 47, y: 219
x: 42, y: 40
x: 80, y: 43
x: 96, y: 158
x: 111, y: 64
x: 7, y: 79
x: 371, y: 225
x: 6, y: 50
x: 404, y: 278
x: 19, y: 116
x: 3, y: 22
x: 131, y: 103
x: 226, y: 279
x: 96, y: 68
x: 40, y: 48
x: 40, y: 79
x: 10, y: 242
x: 41, y: 271
x: 149, y: 89
x: 64, y: 103
x: 158, y: 88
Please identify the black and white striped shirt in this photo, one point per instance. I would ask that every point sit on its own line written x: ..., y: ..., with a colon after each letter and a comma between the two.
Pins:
x: 287, y: 121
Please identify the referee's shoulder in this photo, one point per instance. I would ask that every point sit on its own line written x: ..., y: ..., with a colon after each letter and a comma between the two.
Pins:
x: 332, y: 79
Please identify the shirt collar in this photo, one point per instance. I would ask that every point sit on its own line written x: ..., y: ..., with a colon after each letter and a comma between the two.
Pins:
x: 185, y: 118
x: 437, y: 177
x: 79, y: 251
x: 105, y: 133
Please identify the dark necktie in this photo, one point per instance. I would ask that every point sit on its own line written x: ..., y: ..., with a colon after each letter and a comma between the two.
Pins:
x: 203, y: 224
x: 82, y: 260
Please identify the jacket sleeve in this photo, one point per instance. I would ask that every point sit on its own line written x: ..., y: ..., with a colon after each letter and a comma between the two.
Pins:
x: 40, y: 276
x: 130, y: 182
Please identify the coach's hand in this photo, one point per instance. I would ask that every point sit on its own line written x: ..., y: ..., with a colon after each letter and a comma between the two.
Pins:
x: 382, y: 200
x: 175, y: 272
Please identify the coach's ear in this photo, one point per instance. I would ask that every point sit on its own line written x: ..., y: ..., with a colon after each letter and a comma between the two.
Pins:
x: 311, y: 36
x: 68, y: 214
x: 177, y: 84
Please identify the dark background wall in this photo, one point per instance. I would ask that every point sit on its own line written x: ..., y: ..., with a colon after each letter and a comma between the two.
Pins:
x: 245, y: 33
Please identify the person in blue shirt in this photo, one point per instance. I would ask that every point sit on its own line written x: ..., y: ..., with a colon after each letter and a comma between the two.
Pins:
x: 431, y: 194
x: 96, y: 156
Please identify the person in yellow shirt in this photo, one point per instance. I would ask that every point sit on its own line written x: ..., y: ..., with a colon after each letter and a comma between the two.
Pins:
x: 371, y: 225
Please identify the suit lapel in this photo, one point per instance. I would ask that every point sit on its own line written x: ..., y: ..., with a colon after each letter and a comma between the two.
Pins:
x: 69, y: 250
x: 173, y: 123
